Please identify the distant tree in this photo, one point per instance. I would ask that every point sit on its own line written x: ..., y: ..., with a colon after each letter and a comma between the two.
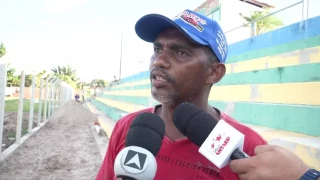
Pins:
x: 28, y: 80
x: 264, y: 25
x: 98, y: 83
x: 2, y: 50
x: 80, y: 85
x: 12, y: 80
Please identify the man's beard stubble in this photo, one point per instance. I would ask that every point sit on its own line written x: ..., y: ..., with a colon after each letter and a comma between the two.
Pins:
x: 169, y: 99
x: 172, y: 98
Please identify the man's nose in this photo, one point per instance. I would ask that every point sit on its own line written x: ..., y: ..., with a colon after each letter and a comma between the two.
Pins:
x: 163, y: 60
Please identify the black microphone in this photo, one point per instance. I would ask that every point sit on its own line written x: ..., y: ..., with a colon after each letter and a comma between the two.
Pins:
x: 143, y: 142
x: 218, y: 141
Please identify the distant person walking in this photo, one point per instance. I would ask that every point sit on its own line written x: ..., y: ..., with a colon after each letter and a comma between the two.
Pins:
x: 76, y: 97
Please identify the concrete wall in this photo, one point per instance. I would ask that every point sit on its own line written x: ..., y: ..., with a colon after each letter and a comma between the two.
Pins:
x: 272, y: 80
x: 66, y: 93
x: 14, y: 92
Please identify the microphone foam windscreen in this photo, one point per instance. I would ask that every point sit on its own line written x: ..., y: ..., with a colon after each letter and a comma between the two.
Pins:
x: 146, y: 131
x: 193, y: 122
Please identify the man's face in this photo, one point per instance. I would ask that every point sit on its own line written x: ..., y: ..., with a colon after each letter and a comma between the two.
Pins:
x: 178, y: 68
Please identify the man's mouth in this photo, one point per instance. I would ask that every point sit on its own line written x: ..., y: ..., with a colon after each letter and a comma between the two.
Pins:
x: 159, y: 78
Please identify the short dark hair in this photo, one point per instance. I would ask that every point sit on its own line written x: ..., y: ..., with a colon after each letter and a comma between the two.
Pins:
x: 211, y: 56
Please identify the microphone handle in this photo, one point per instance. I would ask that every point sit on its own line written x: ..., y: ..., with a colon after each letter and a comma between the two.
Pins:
x: 238, y: 154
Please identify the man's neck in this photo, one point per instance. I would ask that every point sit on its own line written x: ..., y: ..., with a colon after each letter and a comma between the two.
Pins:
x: 166, y: 112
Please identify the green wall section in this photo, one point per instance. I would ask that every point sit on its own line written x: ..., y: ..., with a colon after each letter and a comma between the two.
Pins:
x: 278, y: 49
x: 140, y: 86
x: 307, y: 73
x: 295, y: 118
x: 112, y: 112
x: 301, y: 119
x: 144, y: 101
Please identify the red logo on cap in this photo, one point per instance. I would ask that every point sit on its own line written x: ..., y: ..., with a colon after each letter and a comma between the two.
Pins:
x: 193, y: 20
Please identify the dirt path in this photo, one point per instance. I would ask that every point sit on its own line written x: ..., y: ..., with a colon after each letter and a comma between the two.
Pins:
x: 65, y: 148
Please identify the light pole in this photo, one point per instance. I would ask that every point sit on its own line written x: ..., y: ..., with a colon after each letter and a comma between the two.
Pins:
x: 120, y: 57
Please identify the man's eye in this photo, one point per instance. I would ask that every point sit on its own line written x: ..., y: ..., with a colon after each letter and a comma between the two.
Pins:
x: 182, y: 53
x: 156, y: 49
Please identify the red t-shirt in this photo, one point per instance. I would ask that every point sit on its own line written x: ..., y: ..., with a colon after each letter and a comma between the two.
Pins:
x: 179, y: 160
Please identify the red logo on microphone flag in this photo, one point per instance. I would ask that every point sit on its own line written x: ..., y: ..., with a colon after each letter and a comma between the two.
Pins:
x: 218, y: 138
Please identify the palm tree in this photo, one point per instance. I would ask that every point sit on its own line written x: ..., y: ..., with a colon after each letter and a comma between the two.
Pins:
x: 67, y: 74
x: 38, y: 78
x: 66, y: 71
x: 264, y: 25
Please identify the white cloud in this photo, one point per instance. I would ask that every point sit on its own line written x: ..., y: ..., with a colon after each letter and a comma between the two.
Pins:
x: 83, y: 34
x: 92, y: 54
x: 60, y: 6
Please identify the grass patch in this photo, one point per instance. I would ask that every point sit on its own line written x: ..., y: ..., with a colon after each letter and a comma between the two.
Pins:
x: 12, y: 134
x: 12, y: 105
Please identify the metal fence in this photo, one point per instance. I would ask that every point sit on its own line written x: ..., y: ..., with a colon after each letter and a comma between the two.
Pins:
x: 253, y: 24
x: 53, y: 93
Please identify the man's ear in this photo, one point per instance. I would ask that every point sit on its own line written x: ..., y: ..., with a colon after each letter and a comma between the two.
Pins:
x: 217, y: 71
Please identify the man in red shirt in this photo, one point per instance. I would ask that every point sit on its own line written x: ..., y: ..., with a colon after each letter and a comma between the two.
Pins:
x: 188, y: 58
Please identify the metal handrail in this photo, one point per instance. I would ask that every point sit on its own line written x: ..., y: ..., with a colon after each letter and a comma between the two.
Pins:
x: 266, y: 16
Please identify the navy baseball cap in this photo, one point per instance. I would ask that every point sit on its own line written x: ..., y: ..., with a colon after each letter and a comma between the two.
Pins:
x: 199, y: 28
